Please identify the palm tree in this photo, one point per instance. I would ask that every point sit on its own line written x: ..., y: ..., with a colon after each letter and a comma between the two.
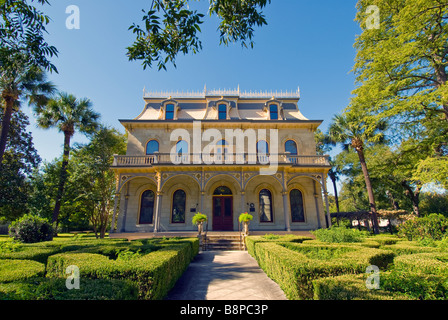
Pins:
x: 15, y: 83
x: 68, y: 114
x: 351, y: 132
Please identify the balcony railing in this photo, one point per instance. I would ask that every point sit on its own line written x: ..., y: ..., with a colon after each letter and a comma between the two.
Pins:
x: 218, y: 159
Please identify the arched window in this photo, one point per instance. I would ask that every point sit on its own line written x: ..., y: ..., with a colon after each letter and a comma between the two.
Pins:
x: 178, y: 208
x: 262, y: 147
x: 273, y: 111
x: 146, y: 207
x: 152, y: 147
x: 265, y: 200
x: 222, y: 191
x: 222, y: 112
x: 291, y: 147
x: 182, y: 147
x: 296, y: 203
x: 169, y: 111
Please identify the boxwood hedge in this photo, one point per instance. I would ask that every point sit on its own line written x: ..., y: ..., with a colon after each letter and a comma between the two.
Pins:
x: 154, y: 273
x: 294, y: 266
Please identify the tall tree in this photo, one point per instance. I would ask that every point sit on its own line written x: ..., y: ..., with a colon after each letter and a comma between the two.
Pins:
x: 68, y: 114
x: 170, y: 28
x: 24, y: 55
x: 350, y: 131
x: 21, y: 81
x: 93, y: 180
x: 20, y: 160
x: 401, y: 72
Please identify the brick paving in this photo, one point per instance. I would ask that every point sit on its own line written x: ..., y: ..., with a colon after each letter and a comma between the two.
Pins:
x: 225, y: 275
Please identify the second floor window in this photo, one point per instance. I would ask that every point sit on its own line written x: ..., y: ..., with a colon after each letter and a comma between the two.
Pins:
x: 169, y: 112
x: 152, y: 147
x: 291, y: 147
x: 262, y: 147
x: 182, y: 147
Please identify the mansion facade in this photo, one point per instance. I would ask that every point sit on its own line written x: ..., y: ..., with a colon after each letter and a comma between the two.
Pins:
x: 220, y: 153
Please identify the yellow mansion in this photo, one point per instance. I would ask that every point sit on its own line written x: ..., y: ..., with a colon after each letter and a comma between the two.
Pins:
x: 221, y: 153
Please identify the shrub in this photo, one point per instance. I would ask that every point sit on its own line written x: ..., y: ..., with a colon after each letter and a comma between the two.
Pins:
x: 294, y: 266
x: 339, y: 234
x: 352, y: 287
x: 430, y: 263
x: 14, y: 270
x: 55, y: 289
x: 154, y: 273
x: 433, y: 226
x: 30, y: 229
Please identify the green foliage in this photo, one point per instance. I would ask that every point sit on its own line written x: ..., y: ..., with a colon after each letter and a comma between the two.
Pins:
x: 336, y: 234
x: 199, y: 218
x: 30, y: 229
x: 170, y: 28
x: 295, y: 265
x: 55, y: 289
x: 245, y: 217
x: 15, y: 270
x: 433, y: 226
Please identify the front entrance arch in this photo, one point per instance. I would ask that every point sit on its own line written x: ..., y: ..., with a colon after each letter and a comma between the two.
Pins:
x: 222, y: 209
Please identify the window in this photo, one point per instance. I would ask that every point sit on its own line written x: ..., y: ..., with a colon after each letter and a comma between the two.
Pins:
x: 146, y: 207
x: 178, y: 209
x: 169, y: 112
x: 296, y: 203
x: 265, y: 200
x: 152, y: 147
x: 222, y: 191
x: 291, y: 147
x: 182, y: 147
x: 222, y: 112
x: 273, y: 112
x: 262, y: 147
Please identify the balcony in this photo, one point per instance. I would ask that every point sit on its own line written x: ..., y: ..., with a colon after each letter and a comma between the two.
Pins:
x: 161, y: 159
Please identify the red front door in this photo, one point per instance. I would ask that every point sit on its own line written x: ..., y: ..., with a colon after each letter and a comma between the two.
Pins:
x: 222, y: 213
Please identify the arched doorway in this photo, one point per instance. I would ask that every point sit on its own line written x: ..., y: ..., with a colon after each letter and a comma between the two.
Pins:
x: 222, y: 209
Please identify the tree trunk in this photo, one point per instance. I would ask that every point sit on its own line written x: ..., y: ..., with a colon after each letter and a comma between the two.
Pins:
x: 362, y: 160
x: 5, y: 125
x: 62, y: 178
x: 336, y: 198
x: 414, y: 195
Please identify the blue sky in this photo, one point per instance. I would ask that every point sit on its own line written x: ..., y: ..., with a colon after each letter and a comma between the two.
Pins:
x: 306, y: 44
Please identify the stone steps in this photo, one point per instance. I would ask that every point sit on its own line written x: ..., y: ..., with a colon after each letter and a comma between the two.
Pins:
x: 222, y: 242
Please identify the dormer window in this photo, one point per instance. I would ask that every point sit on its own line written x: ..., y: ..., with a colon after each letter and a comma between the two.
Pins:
x: 222, y: 112
x: 169, y: 109
x: 273, y: 111
x: 169, y: 112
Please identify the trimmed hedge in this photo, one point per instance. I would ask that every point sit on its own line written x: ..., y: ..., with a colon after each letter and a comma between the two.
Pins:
x: 154, y: 273
x: 252, y: 240
x: 429, y: 263
x: 394, y: 285
x: 14, y: 270
x: 55, y: 289
x: 294, y: 269
x: 351, y: 287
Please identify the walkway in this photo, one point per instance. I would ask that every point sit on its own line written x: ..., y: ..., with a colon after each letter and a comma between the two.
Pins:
x: 225, y: 275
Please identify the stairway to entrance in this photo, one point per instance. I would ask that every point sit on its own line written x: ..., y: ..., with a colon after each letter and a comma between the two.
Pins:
x: 229, y: 241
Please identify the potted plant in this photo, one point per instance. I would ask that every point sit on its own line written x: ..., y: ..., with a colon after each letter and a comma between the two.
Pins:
x: 245, y: 218
x: 199, y: 219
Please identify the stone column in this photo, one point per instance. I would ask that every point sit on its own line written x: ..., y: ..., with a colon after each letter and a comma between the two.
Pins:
x: 286, y: 210
x: 157, y: 211
x: 316, y: 195
x: 125, y: 211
